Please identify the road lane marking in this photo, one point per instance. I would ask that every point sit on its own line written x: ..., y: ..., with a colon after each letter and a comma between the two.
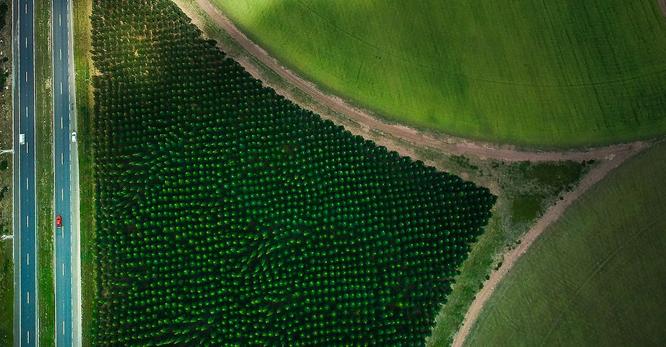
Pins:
x: 27, y: 148
x: 62, y: 158
x: 63, y: 327
x: 26, y: 183
x: 28, y: 333
x: 26, y: 76
x: 60, y: 19
x: 26, y: 112
x: 60, y: 122
x: 27, y: 258
x: 60, y: 87
x: 60, y: 53
x: 27, y: 221
x: 28, y: 297
x: 26, y: 8
x: 62, y: 233
x: 26, y: 42
x: 62, y: 194
x: 63, y: 269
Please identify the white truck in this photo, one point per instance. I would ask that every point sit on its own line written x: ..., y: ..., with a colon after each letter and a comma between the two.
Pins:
x: 21, y: 139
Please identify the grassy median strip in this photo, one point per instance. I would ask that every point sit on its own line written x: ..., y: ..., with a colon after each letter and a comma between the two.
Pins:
x: 43, y: 81
x: 84, y: 100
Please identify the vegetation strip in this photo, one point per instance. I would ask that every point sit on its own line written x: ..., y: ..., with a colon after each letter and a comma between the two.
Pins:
x: 84, y: 113
x: 45, y: 192
x: 552, y: 214
x: 365, y: 120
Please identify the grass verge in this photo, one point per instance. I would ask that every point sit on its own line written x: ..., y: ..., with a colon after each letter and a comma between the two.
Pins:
x: 84, y: 103
x: 596, y: 277
x: 6, y: 165
x: 44, y: 127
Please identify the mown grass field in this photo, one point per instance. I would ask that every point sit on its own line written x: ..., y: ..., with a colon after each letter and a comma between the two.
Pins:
x: 548, y: 74
x: 597, y: 278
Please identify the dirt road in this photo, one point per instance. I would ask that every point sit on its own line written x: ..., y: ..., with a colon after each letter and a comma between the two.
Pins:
x: 362, y: 122
x: 552, y: 214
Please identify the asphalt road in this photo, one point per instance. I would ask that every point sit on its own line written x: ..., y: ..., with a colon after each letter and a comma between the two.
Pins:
x: 25, y: 221
x: 62, y: 155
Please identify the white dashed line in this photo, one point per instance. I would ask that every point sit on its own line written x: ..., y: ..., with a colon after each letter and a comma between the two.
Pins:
x: 27, y: 221
x: 28, y: 297
x: 27, y: 259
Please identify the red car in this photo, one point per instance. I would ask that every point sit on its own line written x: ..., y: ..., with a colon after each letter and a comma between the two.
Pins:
x: 58, y: 221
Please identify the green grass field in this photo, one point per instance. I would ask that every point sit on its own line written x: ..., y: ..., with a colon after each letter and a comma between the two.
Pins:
x: 597, y: 278
x: 548, y: 74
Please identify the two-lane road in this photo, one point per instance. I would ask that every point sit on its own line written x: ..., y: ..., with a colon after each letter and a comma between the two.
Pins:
x: 25, y: 218
x: 64, y: 152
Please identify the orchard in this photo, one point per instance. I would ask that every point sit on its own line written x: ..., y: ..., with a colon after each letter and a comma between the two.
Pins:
x: 227, y: 215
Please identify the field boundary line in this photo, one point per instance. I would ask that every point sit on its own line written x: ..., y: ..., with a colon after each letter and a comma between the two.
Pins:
x: 551, y: 215
x: 363, y: 122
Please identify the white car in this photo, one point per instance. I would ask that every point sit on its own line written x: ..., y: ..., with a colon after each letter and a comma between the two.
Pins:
x: 21, y: 139
x: 73, y: 136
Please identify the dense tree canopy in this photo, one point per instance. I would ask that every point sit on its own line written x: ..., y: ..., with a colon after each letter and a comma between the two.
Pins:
x: 228, y: 215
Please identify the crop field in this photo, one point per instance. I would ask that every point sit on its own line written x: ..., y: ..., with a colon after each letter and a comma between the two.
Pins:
x: 560, y: 73
x: 597, y: 278
x: 226, y: 215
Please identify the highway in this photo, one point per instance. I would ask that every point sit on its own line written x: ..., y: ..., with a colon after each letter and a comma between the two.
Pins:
x: 63, y: 126
x: 25, y: 221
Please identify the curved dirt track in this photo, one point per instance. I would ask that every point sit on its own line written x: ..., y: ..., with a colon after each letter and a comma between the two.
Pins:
x: 551, y: 215
x: 363, y: 122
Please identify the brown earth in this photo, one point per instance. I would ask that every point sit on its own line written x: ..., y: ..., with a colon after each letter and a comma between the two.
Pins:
x: 662, y: 5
